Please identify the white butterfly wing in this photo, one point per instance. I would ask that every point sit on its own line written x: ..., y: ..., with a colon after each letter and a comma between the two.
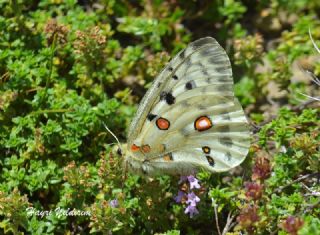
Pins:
x: 189, y: 119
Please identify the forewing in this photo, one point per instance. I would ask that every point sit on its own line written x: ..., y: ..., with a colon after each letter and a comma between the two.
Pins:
x: 172, y: 74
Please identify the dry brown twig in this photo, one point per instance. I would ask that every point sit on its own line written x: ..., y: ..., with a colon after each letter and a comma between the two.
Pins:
x: 229, y: 223
x: 278, y: 190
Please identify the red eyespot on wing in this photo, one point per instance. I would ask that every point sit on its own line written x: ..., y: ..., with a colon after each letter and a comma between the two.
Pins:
x: 135, y: 148
x: 206, y: 149
x: 202, y: 123
x: 146, y: 148
x: 162, y: 123
x: 168, y: 157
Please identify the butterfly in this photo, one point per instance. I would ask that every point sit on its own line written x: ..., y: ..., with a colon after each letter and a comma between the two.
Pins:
x: 189, y: 119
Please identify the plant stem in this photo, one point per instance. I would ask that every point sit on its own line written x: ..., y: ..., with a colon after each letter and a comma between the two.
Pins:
x: 53, y: 48
x: 216, y: 218
x: 278, y: 190
x: 52, y: 111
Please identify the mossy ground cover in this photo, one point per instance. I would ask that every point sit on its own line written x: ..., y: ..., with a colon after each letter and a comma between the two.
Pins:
x: 68, y: 67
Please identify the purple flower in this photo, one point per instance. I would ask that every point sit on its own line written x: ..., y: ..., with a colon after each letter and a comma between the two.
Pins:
x: 194, y: 183
x: 192, y: 210
x: 179, y: 197
x: 193, y: 199
x: 190, y: 199
x: 114, y: 203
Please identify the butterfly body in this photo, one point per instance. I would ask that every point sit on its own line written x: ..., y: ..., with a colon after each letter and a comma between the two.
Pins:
x: 189, y: 119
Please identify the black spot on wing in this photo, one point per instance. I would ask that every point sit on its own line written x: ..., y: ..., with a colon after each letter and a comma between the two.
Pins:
x: 151, y: 116
x: 210, y: 161
x: 168, y: 97
x: 175, y: 77
x: 190, y: 85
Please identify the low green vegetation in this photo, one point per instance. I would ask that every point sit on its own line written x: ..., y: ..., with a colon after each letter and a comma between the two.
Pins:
x: 68, y: 67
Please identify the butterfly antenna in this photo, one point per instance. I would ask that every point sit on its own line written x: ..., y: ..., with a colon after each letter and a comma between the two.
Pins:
x: 126, y: 163
x: 313, y: 42
x: 114, y: 136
